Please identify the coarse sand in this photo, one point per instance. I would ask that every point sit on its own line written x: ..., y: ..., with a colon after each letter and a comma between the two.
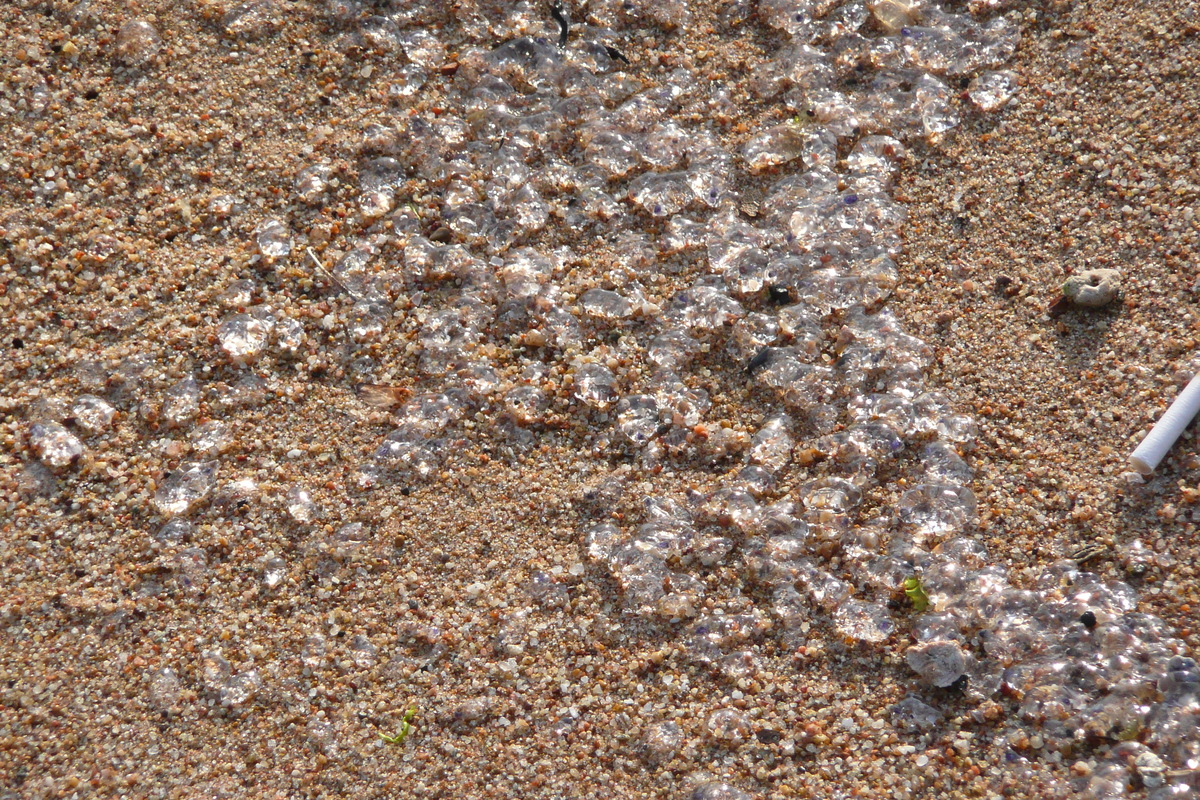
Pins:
x: 469, y: 598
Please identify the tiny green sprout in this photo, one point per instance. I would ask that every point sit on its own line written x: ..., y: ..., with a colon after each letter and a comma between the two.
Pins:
x: 916, y: 593
x: 406, y: 728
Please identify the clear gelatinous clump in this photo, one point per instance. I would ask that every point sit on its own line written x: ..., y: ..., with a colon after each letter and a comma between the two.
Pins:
x: 185, y: 488
x: 718, y: 790
x: 991, y: 90
x: 93, y: 414
x: 312, y: 182
x: 164, y: 688
x: 244, y: 337
x: 728, y: 726
x: 273, y: 238
x: 54, y: 445
x: 937, y: 509
x: 662, y: 741
x: 587, y: 257
x: 252, y: 20
x: 274, y: 572
x: 300, y: 505
x: 867, y: 622
x: 137, y: 42
x: 181, y: 403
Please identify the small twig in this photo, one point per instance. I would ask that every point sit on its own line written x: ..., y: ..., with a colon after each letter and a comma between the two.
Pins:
x: 614, y: 53
x: 321, y: 268
x: 556, y: 11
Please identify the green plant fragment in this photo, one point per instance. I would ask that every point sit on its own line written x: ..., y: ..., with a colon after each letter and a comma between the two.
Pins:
x: 916, y: 593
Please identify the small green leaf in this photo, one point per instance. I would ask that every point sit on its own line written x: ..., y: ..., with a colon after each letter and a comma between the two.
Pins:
x: 916, y: 593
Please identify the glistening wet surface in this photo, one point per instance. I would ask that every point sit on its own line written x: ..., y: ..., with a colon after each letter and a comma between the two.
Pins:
x: 490, y: 401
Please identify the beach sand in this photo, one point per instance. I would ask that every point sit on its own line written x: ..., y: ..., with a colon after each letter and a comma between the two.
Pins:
x: 111, y: 246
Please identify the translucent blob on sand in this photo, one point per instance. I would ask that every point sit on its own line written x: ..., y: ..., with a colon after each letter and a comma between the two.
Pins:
x: 93, y: 414
x: 56, y: 446
x: 243, y: 337
x: 662, y: 741
x: 185, y: 488
x: 300, y: 504
x: 939, y: 662
x: 865, y: 622
x: 274, y: 239
x: 590, y: 258
x: 937, y: 509
x: 137, y: 42
x: 252, y: 20
x: 991, y: 90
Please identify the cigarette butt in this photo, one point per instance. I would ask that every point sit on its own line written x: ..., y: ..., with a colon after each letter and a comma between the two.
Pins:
x: 1168, y: 429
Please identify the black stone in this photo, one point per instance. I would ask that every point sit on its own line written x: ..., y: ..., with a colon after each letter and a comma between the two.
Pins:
x: 779, y: 295
x: 758, y: 361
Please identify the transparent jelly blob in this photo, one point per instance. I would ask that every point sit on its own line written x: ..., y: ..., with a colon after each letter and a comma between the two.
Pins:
x: 991, y: 90
x: 865, y: 622
x: 937, y: 509
x: 93, y: 414
x: 273, y: 238
x: 243, y: 337
x: 54, y: 445
x: 137, y: 42
x: 274, y: 572
x: 211, y: 438
x: 300, y: 505
x: 185, y: 488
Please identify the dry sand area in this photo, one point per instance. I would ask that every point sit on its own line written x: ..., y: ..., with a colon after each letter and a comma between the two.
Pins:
x: 468, y: 596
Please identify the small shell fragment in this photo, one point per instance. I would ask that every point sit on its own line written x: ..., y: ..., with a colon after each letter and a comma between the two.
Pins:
x: 1093, y: 288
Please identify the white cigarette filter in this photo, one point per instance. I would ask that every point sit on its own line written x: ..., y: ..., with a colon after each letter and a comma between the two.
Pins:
x: 1164, y: 433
